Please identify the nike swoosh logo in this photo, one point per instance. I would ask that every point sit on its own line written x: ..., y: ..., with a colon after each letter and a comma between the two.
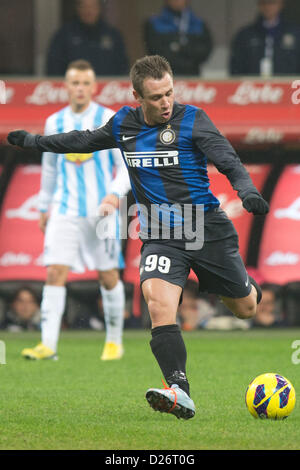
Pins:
x: 127, y: 138
x: 247, y: 282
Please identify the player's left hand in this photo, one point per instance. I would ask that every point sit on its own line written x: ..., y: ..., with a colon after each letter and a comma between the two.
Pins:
x: 17, y: 138
x: 108, y: 205
x: 256, y: 204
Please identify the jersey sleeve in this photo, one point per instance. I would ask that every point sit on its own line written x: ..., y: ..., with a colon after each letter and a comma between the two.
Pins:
x: 220, y: 152
x: 75, y: 141
x: 48, y: 174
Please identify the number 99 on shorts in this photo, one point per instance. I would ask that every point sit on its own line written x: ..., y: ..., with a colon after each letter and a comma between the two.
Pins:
x: 161, y: 263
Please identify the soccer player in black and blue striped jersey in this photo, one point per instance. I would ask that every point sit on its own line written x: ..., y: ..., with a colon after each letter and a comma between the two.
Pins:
x: 165, y: 146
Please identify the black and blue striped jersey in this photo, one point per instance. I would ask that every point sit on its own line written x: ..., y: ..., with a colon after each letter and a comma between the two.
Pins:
x: 167, y: 163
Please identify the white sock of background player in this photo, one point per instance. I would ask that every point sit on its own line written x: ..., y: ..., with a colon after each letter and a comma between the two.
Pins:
x: 52, y: 309
x: 113, y: 307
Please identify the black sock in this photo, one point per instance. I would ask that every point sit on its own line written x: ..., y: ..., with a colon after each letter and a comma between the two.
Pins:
x: 258, y: 289
x: 169, y: 350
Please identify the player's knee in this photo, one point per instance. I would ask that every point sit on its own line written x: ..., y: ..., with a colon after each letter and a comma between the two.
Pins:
x: 244, y: 308
x: 56, y: 275
x: 246, y: 311
x: 162, y: 301
x: 158, y: 309
x: 108, y: 279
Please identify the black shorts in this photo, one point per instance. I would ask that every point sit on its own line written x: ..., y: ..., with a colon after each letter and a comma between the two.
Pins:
x: 217, y: 265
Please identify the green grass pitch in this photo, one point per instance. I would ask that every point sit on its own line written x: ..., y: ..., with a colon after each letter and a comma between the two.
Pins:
x: 80, y: 402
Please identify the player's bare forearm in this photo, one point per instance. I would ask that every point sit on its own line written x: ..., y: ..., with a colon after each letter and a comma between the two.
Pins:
x: 43, y: 221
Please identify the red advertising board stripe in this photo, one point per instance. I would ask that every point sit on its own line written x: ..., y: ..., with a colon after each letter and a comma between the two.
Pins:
x: 240, y: 93
x: 279, y: 256
x: 248, y: 112
x: 21, y: 241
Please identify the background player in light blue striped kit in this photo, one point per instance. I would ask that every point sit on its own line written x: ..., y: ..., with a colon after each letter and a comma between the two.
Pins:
x: 74, y: 189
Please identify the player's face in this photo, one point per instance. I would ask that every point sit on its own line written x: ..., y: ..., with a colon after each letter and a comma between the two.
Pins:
x: 158, y: 100
x: 81, y: 85
x: 270, y: 9
x: 25, y: 305
x: 89, y: 11
x: 177, y: 5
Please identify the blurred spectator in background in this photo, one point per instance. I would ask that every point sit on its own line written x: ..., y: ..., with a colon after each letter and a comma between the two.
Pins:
x: 85, y: 310
x: 269, y: 46
x: 193, y: 310
x: 180, y: 36
x: 268, y: 312
x: 88, y: 37
x: 24, y: 311
x: 200, y: 312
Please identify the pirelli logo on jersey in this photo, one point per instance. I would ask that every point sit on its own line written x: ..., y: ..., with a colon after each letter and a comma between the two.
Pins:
x: 153, y: 159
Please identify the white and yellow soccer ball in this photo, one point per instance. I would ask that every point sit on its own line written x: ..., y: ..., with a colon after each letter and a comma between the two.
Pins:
x: 270, y: 396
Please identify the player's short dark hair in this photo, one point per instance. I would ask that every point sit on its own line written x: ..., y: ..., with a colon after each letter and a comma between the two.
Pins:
x: 80, y: 64
x: 150, y: 66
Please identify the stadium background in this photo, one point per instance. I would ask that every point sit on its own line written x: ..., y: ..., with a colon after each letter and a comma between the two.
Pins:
x: 260, y: 118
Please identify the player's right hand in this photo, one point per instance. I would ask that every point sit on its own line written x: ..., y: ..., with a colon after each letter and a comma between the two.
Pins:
x: 108, y: 205
x: 17, y: 138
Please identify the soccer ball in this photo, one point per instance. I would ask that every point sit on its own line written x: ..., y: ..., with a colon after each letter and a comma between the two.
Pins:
x: 270, y: 396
